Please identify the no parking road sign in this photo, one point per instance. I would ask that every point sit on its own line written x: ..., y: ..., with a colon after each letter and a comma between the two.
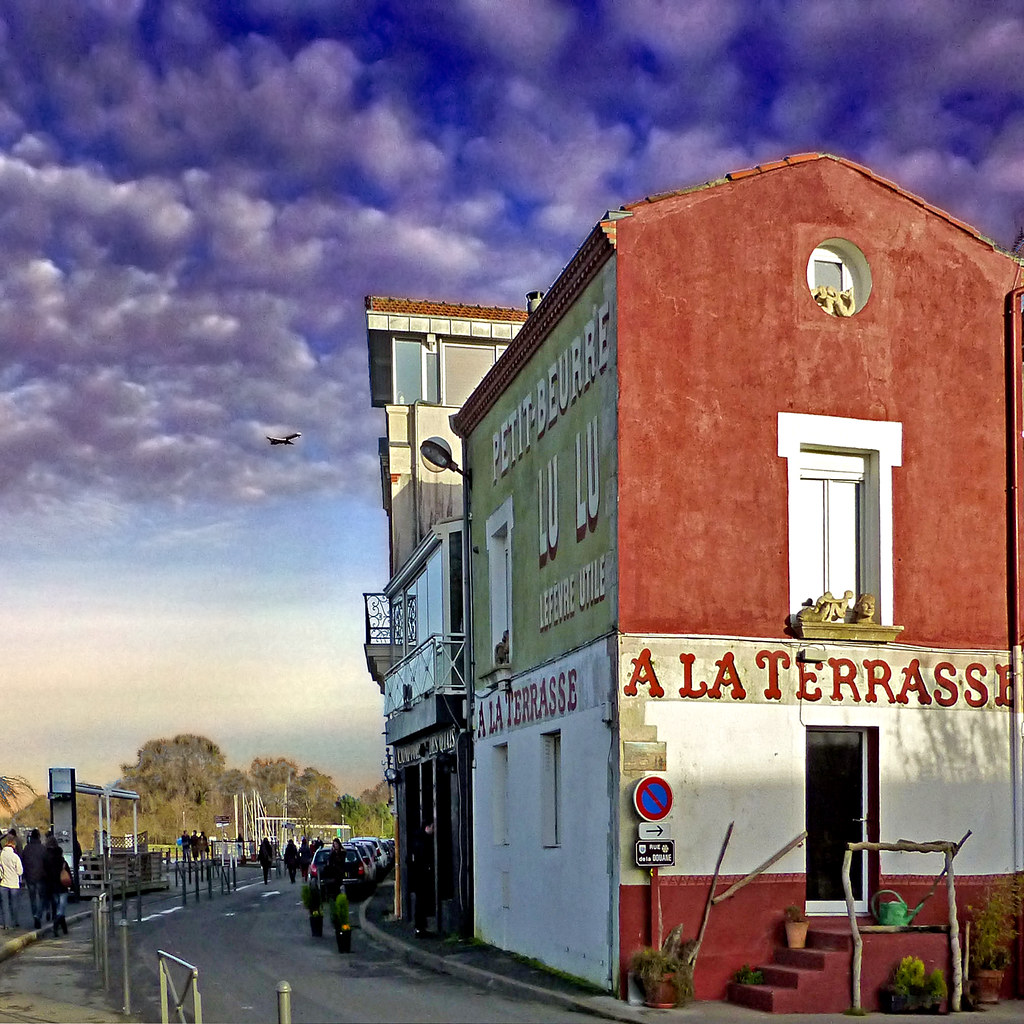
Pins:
x: 652, y: 798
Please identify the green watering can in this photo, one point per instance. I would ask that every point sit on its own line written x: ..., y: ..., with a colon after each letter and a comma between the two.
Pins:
x: 893, y: 912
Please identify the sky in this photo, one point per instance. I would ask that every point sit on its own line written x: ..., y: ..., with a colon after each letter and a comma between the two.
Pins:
x: 196, y: 196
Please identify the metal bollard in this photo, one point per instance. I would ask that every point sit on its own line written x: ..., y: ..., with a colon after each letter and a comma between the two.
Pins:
x: 284, y: 1003
x: 105, y: 941
x: 126, y: 1007
x: 209, y: 879
x: 96, y: 962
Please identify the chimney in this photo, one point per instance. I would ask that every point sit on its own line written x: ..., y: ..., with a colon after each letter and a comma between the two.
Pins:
x: 533, y: 300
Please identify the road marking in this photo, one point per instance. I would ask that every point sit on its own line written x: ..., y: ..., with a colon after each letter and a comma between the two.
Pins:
x: 266, y: 894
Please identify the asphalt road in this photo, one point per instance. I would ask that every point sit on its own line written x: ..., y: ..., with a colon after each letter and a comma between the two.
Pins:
x: 246, y: 943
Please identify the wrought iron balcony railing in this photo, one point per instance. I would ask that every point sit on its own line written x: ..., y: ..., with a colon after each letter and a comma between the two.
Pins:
x: 436, y: 666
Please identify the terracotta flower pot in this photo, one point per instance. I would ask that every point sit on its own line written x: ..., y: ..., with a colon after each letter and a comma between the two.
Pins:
x: 989, y: 984
x: 796, y: 934
x: 661, y: 995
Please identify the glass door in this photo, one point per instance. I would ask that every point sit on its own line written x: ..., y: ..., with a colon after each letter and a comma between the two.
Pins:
x: 836, y: 812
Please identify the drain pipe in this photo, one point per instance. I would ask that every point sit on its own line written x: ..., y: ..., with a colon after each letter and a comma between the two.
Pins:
x: 1015, y: 417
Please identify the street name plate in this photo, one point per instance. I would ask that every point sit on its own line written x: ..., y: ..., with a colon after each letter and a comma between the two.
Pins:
x: 655, y: 853
x: 653, y: 830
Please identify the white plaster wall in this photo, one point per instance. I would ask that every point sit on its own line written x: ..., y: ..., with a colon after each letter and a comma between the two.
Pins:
x: 942, y: 772
x: 561, y: 909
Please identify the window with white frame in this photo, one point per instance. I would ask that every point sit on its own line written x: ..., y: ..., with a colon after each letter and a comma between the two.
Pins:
x: 499, y: 571
x: 551, y: 789
x: 499, y: 795
x: 416, y: 371
x: 840, y: 506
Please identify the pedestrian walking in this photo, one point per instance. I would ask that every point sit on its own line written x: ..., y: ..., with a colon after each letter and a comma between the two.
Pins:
x: 421, y: 876
x: 204, y: 846
x: 305, y: 856
x: 33, y: 859
x: 58, y: 882
x: 11, y: 871
x: 266, y: 858
x: 291, y: 859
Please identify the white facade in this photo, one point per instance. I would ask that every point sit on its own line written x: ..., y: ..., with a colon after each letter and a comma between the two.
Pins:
x: 546, y: 832
x: 737, y: 753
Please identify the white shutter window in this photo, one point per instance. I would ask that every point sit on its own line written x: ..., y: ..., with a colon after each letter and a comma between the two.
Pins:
x: 464, y: 368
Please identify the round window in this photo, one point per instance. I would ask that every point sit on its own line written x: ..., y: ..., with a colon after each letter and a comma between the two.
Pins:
x: 839, y: 277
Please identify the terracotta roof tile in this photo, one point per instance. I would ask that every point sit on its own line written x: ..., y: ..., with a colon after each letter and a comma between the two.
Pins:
x: 430, y: 307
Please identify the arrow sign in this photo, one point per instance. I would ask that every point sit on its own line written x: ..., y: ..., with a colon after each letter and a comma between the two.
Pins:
x: 652, y: 830
x: 652, y: 798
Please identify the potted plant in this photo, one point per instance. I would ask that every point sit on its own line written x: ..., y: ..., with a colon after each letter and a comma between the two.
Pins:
x: 339, y: 918
x: 796, y: 927
x: 311, y: 900
x: 659, y: 976
x: 991, y: 937
x: 911, y: 989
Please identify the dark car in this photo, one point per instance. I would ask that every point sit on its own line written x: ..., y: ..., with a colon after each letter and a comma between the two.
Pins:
x: 356, y: 880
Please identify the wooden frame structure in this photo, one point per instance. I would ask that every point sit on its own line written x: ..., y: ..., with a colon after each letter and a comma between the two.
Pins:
x: 949, y: 850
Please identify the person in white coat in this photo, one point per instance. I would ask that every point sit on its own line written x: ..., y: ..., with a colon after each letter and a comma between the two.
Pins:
x: 10, y: 882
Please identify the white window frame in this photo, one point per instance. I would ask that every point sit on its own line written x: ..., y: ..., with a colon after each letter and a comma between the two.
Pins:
x: 882, y: 442
x: 551, y: 789
x: 499, y: 572
x: 499, y: 793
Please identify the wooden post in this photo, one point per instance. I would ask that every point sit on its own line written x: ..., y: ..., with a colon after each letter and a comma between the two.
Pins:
x: 954, y: 935
x: 858, y: 942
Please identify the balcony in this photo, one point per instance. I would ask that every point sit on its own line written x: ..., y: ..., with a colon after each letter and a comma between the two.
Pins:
x: 437, y: 666
x: 378, y: 647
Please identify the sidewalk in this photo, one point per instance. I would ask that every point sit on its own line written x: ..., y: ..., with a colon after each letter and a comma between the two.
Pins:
x: 74, y: 994
x: 497, y: 970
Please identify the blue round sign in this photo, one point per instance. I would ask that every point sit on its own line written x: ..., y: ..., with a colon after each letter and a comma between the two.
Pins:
x: 652, y: 798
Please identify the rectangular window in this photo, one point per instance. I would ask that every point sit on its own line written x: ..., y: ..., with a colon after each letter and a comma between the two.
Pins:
x: 416, y: 373
x: 551, y: 789
x: 840, y: 506
x: 499, y: 795
x: 464, y: 368
x: 832, y: 510
x: 499, y: 571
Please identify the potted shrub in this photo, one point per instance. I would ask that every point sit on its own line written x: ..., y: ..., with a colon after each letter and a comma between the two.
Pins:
x: 991, y: 938
x: 342, y: 927
x: 312, y: 902
x: 911, y: 989
x: 796, y: 927
x: 658, y: 973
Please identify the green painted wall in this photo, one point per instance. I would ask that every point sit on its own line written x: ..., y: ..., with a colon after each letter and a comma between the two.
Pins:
x: 561, y: 470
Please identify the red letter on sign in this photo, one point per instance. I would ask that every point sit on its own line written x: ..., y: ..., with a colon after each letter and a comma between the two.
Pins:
x: 913, y: 683
x: 643, y: 672
x: 687, y: 690
x: 948, y: 693
x: 772, y: 660
x: 879, y: 674
x: 727, y: 674
x: 843, y: 671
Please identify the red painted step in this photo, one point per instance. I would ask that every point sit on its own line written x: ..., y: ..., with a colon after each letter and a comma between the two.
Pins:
x: 811, y: 980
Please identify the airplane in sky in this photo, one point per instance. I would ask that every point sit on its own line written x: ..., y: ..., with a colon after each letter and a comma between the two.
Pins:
x: 287, y: 439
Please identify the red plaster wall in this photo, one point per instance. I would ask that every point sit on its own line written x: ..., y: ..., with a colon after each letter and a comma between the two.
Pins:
x: 718, y: 333
x: 746, y: 928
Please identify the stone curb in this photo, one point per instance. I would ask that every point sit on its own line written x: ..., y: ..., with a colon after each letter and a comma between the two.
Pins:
x: 488, y: 979
x: 14, y: 946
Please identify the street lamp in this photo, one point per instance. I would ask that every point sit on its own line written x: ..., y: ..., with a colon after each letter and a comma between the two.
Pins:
x: 436, y: 453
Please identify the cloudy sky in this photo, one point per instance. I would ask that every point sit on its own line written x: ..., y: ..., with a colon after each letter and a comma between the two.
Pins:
x: 196, y: 195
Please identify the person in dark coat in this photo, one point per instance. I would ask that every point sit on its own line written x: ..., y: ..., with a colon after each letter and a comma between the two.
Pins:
x: 33, y: 860
x: 291, y: 859
x: 332, y: 878
x: 57, y: 890
x: 421, y: 876
x: 266, y: 858
x: 305, y: 857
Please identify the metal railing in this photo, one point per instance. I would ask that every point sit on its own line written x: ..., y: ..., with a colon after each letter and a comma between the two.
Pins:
x: 164, y: 960
x: 436, y: 666
x: 378, y: 618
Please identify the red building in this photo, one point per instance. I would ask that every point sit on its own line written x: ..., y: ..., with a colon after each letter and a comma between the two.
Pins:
x: 809, y: 602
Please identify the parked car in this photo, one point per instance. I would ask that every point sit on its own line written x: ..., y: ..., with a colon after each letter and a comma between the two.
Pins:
x: 368, y: 858
x: 357, y: 876
x: 379, y: 854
